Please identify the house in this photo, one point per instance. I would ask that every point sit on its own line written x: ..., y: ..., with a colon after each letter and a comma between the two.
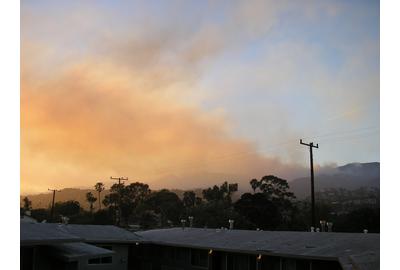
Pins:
x: 73, y: 247
x: 97, y: 247
x: 222, y: 249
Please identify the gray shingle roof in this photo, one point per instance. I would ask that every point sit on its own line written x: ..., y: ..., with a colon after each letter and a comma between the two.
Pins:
x: 102, y: 233
x: 44, y: 233
x: 331, y: 246
x: 73, y: 251
x: 47, y: 233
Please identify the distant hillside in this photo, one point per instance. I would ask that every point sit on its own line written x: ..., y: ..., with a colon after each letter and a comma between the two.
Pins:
x: 350, y: 176
x: 43, y: 200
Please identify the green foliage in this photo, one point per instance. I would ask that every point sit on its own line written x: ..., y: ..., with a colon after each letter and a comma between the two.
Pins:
x: 221, y: 193
x: 27, y: 204
x: 167, y: 204
x: 69, y: 209
x: 99, y: 187
x: 40, y: 214
x: 189, y: 199
x: 358, y: 220
x: 271, y: 206
x: 91, y: 200
x: 254, y: 184
x: 123, y: 200
x: 259, y: 210
x: 148, y: 220
x: 275, y: 187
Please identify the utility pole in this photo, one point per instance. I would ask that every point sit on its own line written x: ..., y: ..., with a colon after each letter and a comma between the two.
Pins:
x: 311, y: 146
x: 52, y: 204
x: 119, y: 179
x: 118, y: 215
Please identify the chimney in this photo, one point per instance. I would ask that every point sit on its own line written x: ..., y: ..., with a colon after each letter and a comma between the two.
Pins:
x: 329, y: 225
x: 183, y: 222
x: 323, y: 225
x: 190, y: 221
x: 231, y: 221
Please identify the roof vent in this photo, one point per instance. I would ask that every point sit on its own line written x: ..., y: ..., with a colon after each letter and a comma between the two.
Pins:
x: 323, y: 225
x: 64, y: 220
x: 312, y: 229
x: 329, y: 225
x: 231, y: 221
x: 190, y: 221
x: 317, y: 230
x: 183, y: 222
x: 365, y: 231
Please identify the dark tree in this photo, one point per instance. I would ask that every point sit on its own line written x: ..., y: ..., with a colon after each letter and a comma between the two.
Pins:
x: 221, y: 193
x: 358, y: 220
x: 259, y: 210
x: 91, y: 200
x: 275, y: 187
x: 189, y: 199
x: 40, y: 214
x: 167, y: 204
x: 148, y: 220
x: 68, y: 208
x: 125, y: 199
x: 254, y: 184
x: 99, y: 187
x: 27, y: 204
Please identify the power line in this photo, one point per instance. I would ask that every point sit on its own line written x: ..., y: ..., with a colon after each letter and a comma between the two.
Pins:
x: 52, y: 204
x: 334, y: 134
x: 311, y: 146
x: 119, y: 179
x: 118, y: 213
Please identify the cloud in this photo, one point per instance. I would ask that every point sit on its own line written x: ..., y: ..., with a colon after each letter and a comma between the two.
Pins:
x: 93, y: 121
x: 108, y: 94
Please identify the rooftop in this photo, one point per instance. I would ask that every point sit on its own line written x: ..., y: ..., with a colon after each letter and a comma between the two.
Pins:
x: 44, y: 233
x: 73, y: 251
x: 48, y: 233
x: 102, y: 233
x: 347, y: 248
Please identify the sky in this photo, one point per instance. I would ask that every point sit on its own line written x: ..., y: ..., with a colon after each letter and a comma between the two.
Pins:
x: 186, y: 94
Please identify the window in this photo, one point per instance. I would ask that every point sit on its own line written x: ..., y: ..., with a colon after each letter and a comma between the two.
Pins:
x: 270, y: 263
x: 102, y: 260
x: 241, y: 262
x: 288, y: 264
x: 326, y: 265
x: 106, y: 260
x: 199, y: 257
x: 181, y: 254
x: 302, y: 265
x: 94, y: 261
x: 167, y: 253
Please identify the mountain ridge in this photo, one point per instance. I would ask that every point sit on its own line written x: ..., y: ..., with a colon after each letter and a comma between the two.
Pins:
x: 350, y: 176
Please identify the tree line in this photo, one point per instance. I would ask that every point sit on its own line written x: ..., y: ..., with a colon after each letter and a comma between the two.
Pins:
x: 270, y: 206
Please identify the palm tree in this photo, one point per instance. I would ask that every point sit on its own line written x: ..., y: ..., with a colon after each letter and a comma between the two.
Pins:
x: 99, y: 188
x: 91, y: 200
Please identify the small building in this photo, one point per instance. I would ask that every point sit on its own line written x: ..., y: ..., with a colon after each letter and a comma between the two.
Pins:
x: 102, y: 247
x: 74, y: 247
x: 222, y: 249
